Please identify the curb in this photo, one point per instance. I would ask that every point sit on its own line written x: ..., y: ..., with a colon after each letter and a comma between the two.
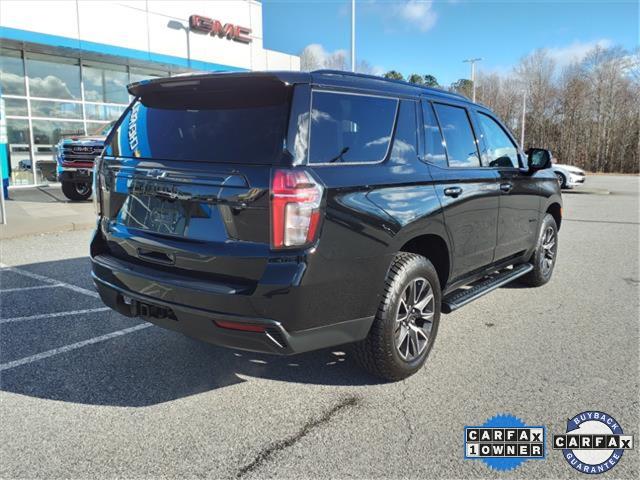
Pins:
x: 7, y: 234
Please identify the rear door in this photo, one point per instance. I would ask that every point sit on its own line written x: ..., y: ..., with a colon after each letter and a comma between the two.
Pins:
x: 186, y: 173
x: 519, y: 195
x: 468, y: 192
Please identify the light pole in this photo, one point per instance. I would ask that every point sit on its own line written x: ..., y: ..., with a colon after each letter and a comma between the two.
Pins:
x: 353, y: 35
x: 524, y: 112
x: 176, y: 25
x: 473, y: 61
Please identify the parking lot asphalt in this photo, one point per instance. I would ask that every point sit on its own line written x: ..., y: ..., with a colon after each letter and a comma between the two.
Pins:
x: 87, y: 393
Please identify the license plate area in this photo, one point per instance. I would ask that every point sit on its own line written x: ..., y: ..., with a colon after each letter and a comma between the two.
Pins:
x: 149, y: 311
x: 83, y: 172
x: 162, y: 215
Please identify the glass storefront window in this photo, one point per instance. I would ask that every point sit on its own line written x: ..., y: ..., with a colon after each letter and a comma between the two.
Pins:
x: 99, y: 129
x: 103, y: 112
x: 12, y: 73
x: 105, y: 83
x: 19, y: 155
x: 53, y: 77
x: 46, y: 108
x: 17, y: 131
x: 138, y: 74
x: 49, y: 132
x: 15, y: 106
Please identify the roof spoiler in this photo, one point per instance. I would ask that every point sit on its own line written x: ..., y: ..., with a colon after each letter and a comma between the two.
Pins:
x: 215, y: 81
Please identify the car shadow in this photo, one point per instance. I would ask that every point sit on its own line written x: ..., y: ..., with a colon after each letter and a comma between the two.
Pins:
x: 147, y: 366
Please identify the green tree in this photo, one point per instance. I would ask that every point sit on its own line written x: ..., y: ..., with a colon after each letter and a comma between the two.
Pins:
x: 464, y: 87
x: 417, y: 79
x: 392, y: 74
x: 430, y: 81
x: 426, y: 80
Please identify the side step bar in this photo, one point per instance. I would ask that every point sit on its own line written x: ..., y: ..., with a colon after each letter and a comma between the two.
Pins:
x: 461, y: 297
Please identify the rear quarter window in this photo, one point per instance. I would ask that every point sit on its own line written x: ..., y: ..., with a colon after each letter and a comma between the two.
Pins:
x: 350, y: 128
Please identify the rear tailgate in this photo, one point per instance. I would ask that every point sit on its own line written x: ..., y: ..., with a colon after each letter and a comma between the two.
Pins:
x: 184, y: 181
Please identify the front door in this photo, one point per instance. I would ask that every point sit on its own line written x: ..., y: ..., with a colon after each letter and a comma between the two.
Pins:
x: 519, y: 199
x: 468, y: 192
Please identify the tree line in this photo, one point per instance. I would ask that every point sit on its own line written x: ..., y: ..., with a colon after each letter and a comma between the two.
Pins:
x: 587, y: 113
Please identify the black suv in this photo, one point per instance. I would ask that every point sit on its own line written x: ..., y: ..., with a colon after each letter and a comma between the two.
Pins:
x: 287, y: 212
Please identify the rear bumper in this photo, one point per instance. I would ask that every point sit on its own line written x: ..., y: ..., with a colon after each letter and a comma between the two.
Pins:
x: 113, y: 282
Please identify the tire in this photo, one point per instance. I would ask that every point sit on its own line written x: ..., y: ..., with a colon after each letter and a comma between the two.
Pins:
x: 76, y: 192
x: 562, y: 180
x: 382, y: 353
x: 545, y: 254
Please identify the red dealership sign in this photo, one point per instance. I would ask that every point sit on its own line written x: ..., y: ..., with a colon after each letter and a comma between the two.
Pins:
x: 214, y: 27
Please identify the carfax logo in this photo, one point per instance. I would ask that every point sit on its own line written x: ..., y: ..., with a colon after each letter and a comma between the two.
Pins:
x: 504, y: 442
x: 593, y: 443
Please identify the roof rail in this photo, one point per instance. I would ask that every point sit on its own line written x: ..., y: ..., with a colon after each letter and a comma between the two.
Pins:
x: 383, y: 79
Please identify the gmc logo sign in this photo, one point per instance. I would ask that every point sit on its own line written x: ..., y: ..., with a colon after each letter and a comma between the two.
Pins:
x: 214, y: 28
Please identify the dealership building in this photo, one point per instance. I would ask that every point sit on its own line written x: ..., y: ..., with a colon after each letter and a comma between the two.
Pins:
x: 65, y: 64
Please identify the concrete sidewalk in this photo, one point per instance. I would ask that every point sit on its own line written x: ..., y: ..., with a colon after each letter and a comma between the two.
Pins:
x: 39, y: 210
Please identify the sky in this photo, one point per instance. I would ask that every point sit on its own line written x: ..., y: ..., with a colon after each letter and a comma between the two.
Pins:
x: 433, y: 37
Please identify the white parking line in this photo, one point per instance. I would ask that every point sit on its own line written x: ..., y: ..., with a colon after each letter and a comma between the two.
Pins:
x: 53, y: 315
x: 73, y: 346
x: 36, y: 287
x: 50, y: 281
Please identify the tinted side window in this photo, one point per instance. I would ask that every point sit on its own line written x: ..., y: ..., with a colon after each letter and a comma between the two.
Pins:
x: 350, y: 128
x: 433, y: 143
x: 458, y: 136
x: 404, y: 141
x: 501, y: 152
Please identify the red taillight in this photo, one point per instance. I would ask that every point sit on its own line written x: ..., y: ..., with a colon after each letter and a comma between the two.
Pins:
x: 295, y: 208
x: 245, y: 327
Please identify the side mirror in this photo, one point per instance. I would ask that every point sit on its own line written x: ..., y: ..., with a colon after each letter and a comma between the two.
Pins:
x: 538, y: 158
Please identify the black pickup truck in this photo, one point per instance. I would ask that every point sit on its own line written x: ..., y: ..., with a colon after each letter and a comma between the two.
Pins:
x: 287, y: 212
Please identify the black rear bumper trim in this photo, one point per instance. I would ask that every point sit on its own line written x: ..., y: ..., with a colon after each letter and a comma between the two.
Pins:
x: 200, y: 324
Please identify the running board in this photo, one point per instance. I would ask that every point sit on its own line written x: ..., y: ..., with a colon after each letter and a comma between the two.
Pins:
x: 460, y: 297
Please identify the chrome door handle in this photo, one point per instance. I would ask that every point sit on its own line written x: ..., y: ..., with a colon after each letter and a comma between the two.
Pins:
x: 506, y: 187
x: 452, y: 191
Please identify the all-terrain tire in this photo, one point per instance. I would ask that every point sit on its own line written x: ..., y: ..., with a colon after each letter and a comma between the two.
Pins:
x: 546, y: 250
x: 378, y: 352
x: 76, y: 192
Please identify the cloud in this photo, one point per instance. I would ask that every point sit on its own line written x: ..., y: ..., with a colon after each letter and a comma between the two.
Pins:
x: 50, y: 87
x: 419, y: 13
x: 576, y: 51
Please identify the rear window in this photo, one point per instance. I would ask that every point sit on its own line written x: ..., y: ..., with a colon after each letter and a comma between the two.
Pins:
x: 347, y: 128
x: 228, y: 126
